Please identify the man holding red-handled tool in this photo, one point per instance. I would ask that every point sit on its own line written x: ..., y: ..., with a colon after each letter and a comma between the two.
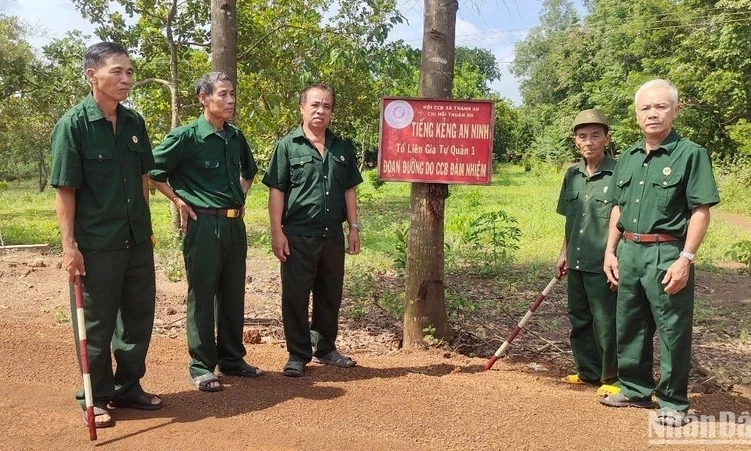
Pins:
x: 662, y: 189
x: 100, y: 155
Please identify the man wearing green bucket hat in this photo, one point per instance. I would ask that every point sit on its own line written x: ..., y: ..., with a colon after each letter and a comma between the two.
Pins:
x: 584, y: 200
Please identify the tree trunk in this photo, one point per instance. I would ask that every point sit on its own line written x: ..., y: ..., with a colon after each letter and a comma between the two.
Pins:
x: 174, y: 101
x: 425, y: 309
x: 224, y: 38
x: 43, y: 171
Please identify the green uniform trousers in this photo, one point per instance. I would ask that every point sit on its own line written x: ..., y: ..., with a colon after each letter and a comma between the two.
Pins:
x: 215, y: 249
x: 643, y: 305
x: 314, y: 264
x: 591, y: 309
x: 118, y: 295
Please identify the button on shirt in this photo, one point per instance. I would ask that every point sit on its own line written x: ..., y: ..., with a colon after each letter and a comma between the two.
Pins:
x: 204, y: 168
x: 313, y: 185
x: 106, y: 168
x: 657, y: 191
x: 585, y: 203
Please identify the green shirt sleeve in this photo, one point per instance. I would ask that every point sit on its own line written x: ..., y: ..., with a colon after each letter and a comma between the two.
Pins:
x: 66, y: 168
x: 354, y: 177
x: 561, y: 207
x: 248, y: 169
x: 701, y: 188
x: 277, y: 173
x: 147, y: 157
x: 167, y: 155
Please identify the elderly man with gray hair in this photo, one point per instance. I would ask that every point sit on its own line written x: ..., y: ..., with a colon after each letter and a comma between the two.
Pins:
x: 661, y: 189
x: 206, y: 168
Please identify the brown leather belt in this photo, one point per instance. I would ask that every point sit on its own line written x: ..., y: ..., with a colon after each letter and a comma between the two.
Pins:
x: 225, y: 212
x: 649, y: 237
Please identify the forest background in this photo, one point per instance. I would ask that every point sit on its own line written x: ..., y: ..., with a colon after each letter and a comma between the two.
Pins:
x: 570, y: 61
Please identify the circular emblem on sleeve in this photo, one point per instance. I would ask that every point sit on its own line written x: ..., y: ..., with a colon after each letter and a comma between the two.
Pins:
x: 666, y: 171
x: 135, y: 139
x: 605, y: 189
x: 398, y: 114
x: 342, y: 157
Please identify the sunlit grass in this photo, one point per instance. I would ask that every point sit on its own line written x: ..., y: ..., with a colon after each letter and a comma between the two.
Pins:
x: 28, y: 217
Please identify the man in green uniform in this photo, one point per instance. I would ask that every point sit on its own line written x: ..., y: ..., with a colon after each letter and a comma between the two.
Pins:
x: 662, y: 188
x: 312, y: 177
x: 585, y: 202
x: 206, y: 168
x: 100, y: 155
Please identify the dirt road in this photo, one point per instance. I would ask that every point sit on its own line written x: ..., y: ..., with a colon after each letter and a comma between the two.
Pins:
x: 422, y: 400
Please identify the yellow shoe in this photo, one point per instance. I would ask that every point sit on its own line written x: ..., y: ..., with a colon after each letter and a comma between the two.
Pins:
x: 606, y: 389
x: 572, y: 379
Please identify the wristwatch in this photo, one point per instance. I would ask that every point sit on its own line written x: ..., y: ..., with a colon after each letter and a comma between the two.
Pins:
x: 689, y: 256
x: 354, y: 226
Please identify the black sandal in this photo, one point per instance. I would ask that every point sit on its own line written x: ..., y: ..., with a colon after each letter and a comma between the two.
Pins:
x: 294, y: 368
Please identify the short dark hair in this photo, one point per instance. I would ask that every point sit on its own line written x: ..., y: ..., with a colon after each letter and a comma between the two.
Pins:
x: 206, y: 83
x: 322, y: 87
x: 96, y: 54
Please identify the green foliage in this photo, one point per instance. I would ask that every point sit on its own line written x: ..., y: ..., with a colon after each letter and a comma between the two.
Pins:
x: 734, y: 183
x: 32, y: 89
x: 400, y: 259
x: 27, y: 216
x: 458, y: 305
x: 174, y: 268
x: 493, y: 236
x: 373, y: 179
x: 567, y: 64
x: 429, y: 335
x: 741, y: 252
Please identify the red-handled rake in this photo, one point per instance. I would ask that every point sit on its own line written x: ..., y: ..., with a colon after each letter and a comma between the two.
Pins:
x: 538, y: 300
x: 84, y: 352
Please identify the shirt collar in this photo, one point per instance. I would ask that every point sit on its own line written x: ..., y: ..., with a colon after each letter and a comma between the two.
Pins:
x: 668, y: 144
x: 606, y: 165
x: 299, y: 134
x: 94, y: 113
x: 204, y: 129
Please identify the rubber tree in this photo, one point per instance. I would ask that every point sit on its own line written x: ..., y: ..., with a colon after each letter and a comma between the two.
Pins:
x: 224, y: 38
x: 425, y: 308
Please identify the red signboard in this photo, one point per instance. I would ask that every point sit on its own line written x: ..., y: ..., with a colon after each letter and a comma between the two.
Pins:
x: 436, y: 140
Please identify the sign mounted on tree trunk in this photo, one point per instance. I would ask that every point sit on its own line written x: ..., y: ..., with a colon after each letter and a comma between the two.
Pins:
x: 436, y: 141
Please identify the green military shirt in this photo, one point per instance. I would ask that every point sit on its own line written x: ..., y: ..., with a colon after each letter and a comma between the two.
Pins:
x: 585, y: 202
x: 313, y: 185
x: 657, y: 191
x: 202, y: 167
x: 106, y: 169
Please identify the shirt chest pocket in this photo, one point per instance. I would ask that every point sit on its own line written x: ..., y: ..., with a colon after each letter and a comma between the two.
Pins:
x: 667, y: 189
x: 338, y: 164
x: 300, y: 168
x: 207, y: 165
x: 135, y: 151
x: 99, y: 166
x: 601, y: 205
x: 572, y: 197
x: 622, y: 186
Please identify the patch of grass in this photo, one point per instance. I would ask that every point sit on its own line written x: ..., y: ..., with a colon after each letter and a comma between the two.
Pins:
x: 734, y: 184
x: 703, y: 311
x: 719, y: 239
x: 27, y: 216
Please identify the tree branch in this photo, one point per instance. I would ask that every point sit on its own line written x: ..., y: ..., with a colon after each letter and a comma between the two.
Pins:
x: 146, y: 81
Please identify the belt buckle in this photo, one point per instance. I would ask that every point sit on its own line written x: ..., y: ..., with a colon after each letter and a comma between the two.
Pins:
x: 233, y: 213
x: 636, y: 238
